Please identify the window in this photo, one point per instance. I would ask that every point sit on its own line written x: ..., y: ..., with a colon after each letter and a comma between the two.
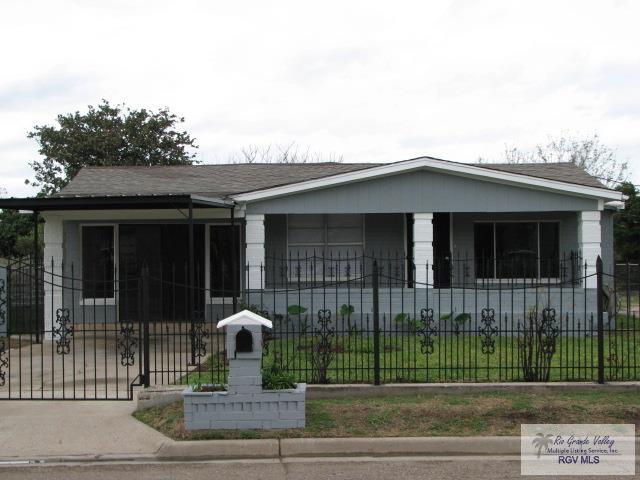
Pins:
x: 517, y: 250
x: 224, y: 267
x: 328, y: 235
x: 334, y: 237
x: 98, y: 262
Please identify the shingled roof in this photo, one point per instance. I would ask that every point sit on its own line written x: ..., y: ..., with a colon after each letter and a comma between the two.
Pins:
x: 222, y: 180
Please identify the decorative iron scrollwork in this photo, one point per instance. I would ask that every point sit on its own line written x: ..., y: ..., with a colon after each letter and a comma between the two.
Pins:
x: 4, y: 362
x: 488, y: 331
x: 548, y: 331
x: 324, y: 332
x: 126, y: 344
x: 63, y: 332
x: 427, y: 331
x: 199, y: 333
x: 3, y: 302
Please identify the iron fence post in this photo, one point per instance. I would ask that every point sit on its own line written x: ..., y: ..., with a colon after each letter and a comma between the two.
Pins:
x: 145, y: 325
x: 376, y: 325
x: 600, y: 308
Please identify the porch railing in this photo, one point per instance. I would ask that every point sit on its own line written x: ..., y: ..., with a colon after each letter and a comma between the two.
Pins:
x: 397, y: 269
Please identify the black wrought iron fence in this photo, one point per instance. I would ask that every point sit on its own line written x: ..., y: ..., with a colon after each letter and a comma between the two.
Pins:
x: 366, y: 326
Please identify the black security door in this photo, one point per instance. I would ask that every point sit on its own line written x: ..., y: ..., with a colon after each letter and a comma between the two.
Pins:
x: 164, y: 250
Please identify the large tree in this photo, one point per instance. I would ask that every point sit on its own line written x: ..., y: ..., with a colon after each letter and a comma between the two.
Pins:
x: 588, y: 153
x: 107, y: 135
x: 626, y: 227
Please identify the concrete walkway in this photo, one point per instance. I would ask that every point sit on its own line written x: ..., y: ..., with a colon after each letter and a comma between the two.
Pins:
x: 82, y: 429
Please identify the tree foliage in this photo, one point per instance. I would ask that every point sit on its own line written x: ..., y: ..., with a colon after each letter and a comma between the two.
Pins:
x: 588, y: 153
x: 626, y: 226
x: 107, y: 135
x: 16, y: 234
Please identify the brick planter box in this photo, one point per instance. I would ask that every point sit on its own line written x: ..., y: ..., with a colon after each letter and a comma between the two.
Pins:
x: 259, y: 410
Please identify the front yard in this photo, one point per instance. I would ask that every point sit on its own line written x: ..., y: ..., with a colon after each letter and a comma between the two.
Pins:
x: 426, y: 415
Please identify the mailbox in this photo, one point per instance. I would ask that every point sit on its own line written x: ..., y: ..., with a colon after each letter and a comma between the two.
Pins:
x: 244, y: 341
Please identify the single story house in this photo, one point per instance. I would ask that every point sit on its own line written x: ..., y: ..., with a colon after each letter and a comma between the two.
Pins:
x: 233, y: 228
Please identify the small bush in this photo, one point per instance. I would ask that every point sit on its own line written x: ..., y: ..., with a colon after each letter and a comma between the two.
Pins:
x: 275, y: 378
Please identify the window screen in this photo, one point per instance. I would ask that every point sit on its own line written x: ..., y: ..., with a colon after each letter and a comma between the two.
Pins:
x: 98, y: 264
x: 225, y: 269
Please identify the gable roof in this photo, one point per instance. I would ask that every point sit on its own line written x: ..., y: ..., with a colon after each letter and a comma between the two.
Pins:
x: 257, y: 180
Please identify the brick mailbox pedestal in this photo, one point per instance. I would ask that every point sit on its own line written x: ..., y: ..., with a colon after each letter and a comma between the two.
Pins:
x: 245, y: 405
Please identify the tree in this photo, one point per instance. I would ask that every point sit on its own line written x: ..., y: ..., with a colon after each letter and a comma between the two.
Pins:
x: 626, y: 226
x: 588, y: 153
x: 106, y: 136
x: 290, y: 153
x: 16, y: 234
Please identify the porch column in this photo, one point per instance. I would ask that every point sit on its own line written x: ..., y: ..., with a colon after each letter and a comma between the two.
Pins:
x: 589, y: 238
x: 255, y: 251
x: 52, y: 275
x: 423, y: 247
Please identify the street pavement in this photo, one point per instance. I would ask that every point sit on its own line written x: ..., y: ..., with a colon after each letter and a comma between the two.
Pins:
x: 390, y: 468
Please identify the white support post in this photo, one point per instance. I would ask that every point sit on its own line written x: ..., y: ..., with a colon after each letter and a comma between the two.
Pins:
x: 590, y: 238
x: 52, y: 271
x: 423, y: 247
x: 255, y: 251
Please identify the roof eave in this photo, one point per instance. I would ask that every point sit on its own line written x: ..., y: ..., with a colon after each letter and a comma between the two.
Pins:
x: 121, y: 202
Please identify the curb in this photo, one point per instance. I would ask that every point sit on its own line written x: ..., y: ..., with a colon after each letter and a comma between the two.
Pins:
x: 309, y: 448
x: 219, y: 449
x: 423, y: 446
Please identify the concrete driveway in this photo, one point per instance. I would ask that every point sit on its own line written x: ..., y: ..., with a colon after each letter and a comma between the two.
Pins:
x: 94, y: 366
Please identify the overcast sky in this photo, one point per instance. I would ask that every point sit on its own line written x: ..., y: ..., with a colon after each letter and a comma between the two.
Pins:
x: 371, y: 81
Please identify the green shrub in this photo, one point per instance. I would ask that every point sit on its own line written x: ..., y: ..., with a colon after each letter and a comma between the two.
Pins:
x: 275, y: 378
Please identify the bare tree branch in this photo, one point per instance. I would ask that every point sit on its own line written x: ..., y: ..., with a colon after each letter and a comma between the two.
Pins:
x: 588, y: 153
x: 282, y: 153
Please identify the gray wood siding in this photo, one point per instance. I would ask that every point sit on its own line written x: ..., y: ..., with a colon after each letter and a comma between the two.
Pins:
x: 422, y: 191
x: 608, y: 256
x: 384, y: 234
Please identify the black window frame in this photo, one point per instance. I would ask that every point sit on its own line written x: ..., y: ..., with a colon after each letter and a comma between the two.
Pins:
x: 496, y: 268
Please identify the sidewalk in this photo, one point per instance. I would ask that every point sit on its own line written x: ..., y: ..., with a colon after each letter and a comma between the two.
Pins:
x: 74, y: 429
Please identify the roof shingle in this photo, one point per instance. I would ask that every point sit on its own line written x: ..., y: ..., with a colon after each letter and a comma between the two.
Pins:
x: 227, y: 179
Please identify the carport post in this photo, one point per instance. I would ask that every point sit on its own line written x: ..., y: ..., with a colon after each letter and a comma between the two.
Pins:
x: 36, y: 280
x: 192, y: 292
x: 234, y: 259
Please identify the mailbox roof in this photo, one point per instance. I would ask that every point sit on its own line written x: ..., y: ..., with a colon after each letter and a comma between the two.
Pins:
x: 245, y: 317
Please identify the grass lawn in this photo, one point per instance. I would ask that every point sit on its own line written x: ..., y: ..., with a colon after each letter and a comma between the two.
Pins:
x: 455, y: 358
x: 425, y: 415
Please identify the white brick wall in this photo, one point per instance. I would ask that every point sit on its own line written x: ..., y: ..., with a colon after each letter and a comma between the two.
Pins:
x: 255, y: 250
x: 423, y: 246
x: 590, y: 238
x: 53, y: 255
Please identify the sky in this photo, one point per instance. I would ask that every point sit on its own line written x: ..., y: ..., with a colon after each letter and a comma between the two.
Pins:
x: 368, y: 81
